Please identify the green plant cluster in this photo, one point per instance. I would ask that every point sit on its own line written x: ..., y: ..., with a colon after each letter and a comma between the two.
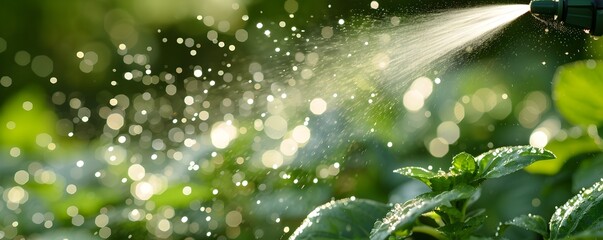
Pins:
x: 446, y: 213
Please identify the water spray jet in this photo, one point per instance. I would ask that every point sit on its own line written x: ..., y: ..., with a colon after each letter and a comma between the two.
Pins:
x: 586, y: 14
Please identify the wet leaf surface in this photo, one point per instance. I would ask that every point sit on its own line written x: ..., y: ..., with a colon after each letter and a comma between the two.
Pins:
x: 402, y: 216
x: 581, y: 213
x: 502, y: 161
x: 342, y: 219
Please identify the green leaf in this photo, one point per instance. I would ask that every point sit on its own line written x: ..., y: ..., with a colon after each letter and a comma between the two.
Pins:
x: 342, y: 219
x: 506, y: 160
x: 528, y: 222
x: 403, y: 216
x: 418, y: 173
x: 440, y: 181
x: 581, y: 213
x: 463, y: 163
x: 577, y: 92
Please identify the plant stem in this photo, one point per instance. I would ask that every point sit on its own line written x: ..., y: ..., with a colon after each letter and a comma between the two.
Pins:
x: 429, y: 231
x: 465, y: 204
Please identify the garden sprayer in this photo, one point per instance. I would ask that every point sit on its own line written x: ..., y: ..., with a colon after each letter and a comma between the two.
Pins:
x: 586, y: 14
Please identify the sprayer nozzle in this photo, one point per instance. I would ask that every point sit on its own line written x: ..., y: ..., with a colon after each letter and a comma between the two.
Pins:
x: 547, y: 8
x: 585, y: 14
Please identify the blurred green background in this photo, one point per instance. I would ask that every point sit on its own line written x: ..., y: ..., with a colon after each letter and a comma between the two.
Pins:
x: 181, y: 119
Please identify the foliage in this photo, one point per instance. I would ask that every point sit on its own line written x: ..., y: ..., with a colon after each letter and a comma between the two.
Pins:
x: 401, y: 218
x: 578, y: 218
x: 346, y: 219
x: 581, y: 215
x: 530, y: 222
x: 442, y: 213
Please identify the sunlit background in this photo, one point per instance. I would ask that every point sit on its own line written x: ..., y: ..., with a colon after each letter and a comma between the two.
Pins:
x: 233, y: 119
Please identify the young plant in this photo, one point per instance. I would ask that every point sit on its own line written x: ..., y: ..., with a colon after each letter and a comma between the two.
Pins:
x: 452, y: 193
x: 442, y: 213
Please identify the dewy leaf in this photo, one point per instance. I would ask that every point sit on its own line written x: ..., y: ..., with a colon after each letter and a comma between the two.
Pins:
x: 418, y: 173
x: 463, y: 163
x: 505, y: 160
x: 403, y: 216
x: 581, y: 213
x: 438, y: 182
x: 342, y: 219
x: 529, y: 222
x: 577, y: 92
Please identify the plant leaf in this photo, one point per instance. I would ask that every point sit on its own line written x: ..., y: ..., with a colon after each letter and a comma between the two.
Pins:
x: 342, y: 219
x: 528, y: 222
x: 506, y: 160
x: 577, y: 92
x: 581, y: 213
x: 403, y: 216
x: 438, y: 182
x: 418, y: 173
x: 463, y: 163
